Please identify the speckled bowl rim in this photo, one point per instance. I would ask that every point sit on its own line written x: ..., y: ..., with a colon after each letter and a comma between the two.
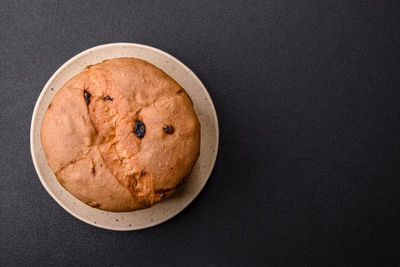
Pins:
x: 46, y: 88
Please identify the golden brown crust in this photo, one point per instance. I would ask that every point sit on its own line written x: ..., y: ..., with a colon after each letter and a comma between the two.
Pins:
x: 90, y: 144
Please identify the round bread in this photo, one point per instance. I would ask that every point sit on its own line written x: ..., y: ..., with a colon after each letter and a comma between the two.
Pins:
x: 121, y: 135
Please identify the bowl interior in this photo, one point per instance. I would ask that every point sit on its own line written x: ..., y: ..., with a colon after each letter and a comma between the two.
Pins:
x: 208, y: 150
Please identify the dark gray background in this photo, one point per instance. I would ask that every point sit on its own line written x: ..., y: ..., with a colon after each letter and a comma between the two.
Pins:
x: 307, y: 94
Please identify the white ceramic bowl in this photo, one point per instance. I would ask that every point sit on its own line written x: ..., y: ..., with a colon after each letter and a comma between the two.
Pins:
x: 209, y: 138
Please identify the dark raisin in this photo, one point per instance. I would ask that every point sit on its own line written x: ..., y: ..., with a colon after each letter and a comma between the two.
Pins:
x: 94, y: 171
x: 169, y: 129
x: 87, y: 96
x: 142, y: 173
x: 139, y: 129
x: 180, y: 91
x: 108, y: 98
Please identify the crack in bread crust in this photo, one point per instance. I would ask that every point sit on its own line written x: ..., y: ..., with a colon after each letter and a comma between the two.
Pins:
x: 124, y: 180
x: 69, y: 164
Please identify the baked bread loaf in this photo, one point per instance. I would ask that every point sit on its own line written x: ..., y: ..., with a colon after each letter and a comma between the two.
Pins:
x: 121, y: 135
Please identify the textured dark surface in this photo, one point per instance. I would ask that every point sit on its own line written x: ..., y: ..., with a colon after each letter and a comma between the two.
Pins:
x: 307, y: 96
